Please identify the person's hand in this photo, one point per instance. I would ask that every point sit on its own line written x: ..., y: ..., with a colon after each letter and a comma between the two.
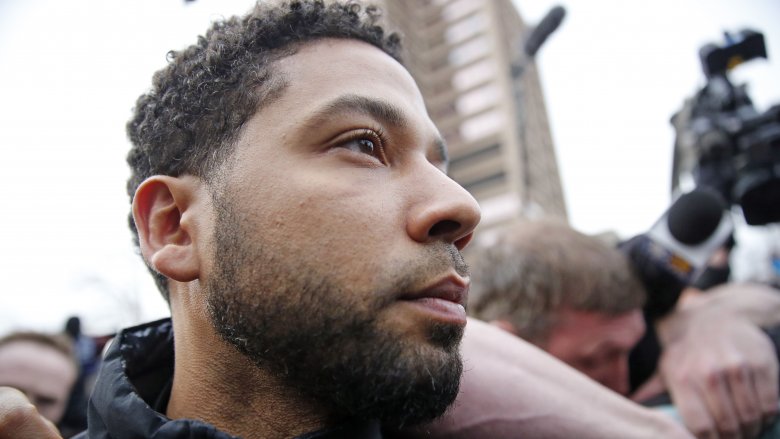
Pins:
x: 19, y: 419
x: 723, y: 378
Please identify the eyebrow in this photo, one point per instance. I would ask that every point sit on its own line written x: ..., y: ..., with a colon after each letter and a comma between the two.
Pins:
x: 378, y: 109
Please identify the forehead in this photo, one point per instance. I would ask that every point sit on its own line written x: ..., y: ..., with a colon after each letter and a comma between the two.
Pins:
x: 324, y: 70
x: 20, y: 359
x: 23, y: 351
x: 587, y: 332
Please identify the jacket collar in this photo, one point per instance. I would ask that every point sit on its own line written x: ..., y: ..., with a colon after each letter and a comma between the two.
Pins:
x: 133, y: 389
x: 138, y: 367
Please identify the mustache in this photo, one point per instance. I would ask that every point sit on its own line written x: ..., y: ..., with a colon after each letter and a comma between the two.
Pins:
x: 411, y: 275
x: 458, y: 263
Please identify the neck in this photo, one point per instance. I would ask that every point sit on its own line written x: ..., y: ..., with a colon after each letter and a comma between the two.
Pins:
x: 215, y: 383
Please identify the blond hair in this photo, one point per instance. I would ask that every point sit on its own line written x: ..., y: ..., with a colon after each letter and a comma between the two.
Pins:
x: 538, y: 267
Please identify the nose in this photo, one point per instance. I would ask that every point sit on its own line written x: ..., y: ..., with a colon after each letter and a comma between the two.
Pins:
x: 442, y: 210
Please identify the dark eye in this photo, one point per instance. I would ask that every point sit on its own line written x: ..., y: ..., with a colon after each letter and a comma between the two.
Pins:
x: 367, y: 142
x: 585, y: 363
x: 45, y: 401
x: 365, y: 146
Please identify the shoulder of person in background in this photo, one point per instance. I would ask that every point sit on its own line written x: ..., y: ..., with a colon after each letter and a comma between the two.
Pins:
x: 511, y: 388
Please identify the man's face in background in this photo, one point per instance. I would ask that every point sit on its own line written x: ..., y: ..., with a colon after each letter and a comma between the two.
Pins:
x: 596, y: 344
x: 41, y: 372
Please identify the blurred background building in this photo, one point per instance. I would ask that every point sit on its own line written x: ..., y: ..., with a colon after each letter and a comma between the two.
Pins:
x: 613, y: 74
x: 462, y: 54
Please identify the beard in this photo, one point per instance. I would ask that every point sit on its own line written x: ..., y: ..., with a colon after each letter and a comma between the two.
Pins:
x: 326, y: 340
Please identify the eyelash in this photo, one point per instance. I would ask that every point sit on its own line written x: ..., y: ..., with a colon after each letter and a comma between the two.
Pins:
x: 375, y: 135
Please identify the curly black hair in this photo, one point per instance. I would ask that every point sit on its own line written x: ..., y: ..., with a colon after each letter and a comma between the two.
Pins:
x: 188, y: 122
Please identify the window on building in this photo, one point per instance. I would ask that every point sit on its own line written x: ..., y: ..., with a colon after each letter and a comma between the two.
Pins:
x: 474, y: 74
x: 474, y: 187
x: 465, y: 160
x: 469, y: 51
x: 477, y: 99
x: 482, y: 125
x: 459, y: 8
x: 466, y: 28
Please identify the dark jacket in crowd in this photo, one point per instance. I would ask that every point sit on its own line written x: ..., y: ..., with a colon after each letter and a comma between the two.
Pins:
x: 134, y: 386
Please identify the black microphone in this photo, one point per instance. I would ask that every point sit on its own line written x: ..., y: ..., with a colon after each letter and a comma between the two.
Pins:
x: 668, y: 258
x: 542, y: 31
x: 675, y: 251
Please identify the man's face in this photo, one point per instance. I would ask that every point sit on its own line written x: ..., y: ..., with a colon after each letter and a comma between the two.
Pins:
x: 596, y: 344
x: 41, y: 372
x: 336, y: 254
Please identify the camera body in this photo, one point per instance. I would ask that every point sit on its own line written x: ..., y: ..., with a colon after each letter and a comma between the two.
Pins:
x: 735, y: 149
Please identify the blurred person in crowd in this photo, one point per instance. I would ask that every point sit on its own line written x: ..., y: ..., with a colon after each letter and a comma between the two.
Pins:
x: 85, y: 346
x: 718, y: 269
x: 87, y: 355
x: 578, y: 299
x: 43, y: 367
x: 567, y: 293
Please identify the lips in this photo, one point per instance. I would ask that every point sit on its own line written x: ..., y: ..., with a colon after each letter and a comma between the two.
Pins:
x: 451, y: 288
x: 444, y: 300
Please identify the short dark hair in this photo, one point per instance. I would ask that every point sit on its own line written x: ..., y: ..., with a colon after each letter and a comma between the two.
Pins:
x: 536, y: 268
x: 188, y: 122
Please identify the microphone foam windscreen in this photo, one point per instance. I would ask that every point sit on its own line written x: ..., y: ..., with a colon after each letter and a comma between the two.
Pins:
x: 695, y: 216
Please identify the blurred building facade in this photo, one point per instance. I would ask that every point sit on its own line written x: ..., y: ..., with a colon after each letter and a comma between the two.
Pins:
x: 461, y: 53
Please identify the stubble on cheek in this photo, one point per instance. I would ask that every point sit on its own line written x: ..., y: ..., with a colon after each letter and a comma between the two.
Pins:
x: 314, y: 311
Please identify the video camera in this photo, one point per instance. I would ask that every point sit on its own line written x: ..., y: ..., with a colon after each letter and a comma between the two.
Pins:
x: 731, y: 147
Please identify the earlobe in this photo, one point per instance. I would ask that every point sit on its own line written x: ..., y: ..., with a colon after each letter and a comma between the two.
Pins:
x: 160, y: 206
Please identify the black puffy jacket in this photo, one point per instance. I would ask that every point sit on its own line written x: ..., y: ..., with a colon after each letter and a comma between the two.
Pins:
x: 134, y: 385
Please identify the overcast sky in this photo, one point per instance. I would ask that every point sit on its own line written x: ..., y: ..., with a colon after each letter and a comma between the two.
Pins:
x: 70, y: 71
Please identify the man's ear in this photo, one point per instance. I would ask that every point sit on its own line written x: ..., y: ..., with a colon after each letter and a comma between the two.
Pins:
x: 160, y: 206
x: 506, y: 325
